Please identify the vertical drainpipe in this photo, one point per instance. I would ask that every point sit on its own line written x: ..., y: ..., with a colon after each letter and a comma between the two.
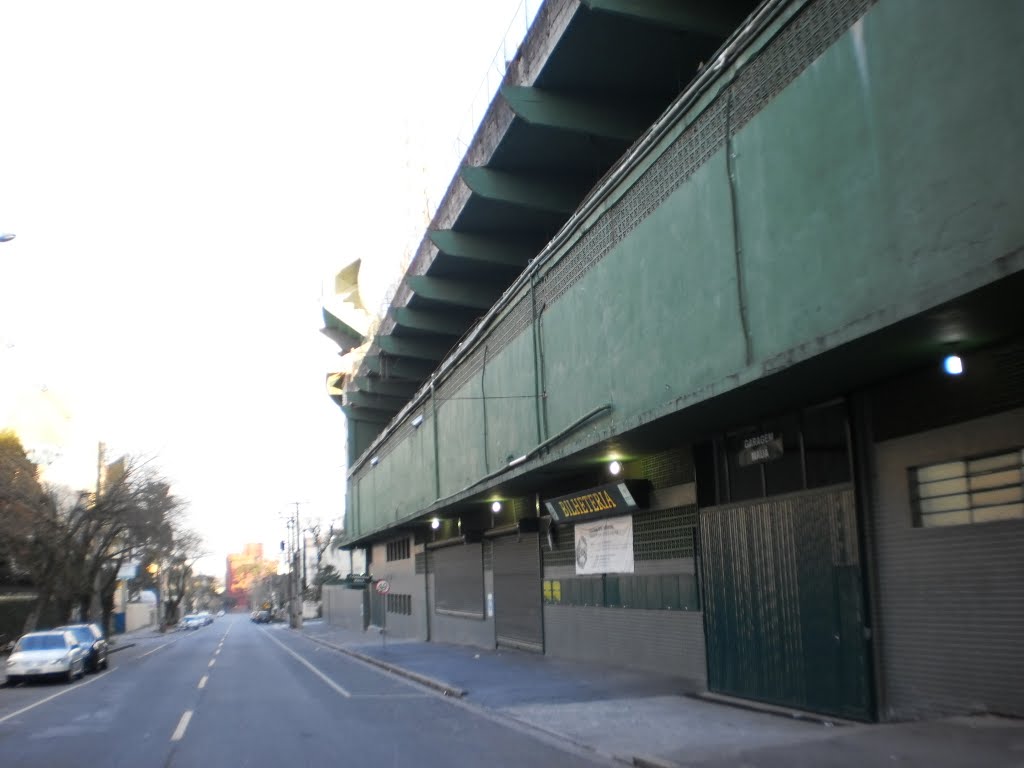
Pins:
x: 483, y: 405
x: 538, y: 373
x: 437, y: 458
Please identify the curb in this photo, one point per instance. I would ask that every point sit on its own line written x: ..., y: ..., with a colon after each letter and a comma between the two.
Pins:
x: 639, y: 761
x: 429, y: 682
x: 115, y: 648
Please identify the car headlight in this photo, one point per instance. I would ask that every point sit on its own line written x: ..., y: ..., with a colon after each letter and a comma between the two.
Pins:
x: 61, y: 661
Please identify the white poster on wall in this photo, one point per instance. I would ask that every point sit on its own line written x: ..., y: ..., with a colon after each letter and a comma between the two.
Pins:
x: 605, y: 546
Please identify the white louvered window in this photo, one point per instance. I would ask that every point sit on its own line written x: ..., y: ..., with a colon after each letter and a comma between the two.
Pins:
x: 968, y: 491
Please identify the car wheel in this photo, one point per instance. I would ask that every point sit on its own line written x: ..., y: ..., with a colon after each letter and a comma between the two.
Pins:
x: 70, y: 674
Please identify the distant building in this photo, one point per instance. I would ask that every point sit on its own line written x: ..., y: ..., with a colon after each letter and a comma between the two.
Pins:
x: 245, y: 570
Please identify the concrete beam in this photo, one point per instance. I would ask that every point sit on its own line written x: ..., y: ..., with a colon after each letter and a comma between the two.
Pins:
x: 363, y: 400
x: 534, y: 192
x: 388, y: 387
x: 398, y: 367
x: 428, y: 348
x: 590, y: 116
x: 444, y: 323
x: 481, y: 248
x: 460, y: 293
x: 712, y: 19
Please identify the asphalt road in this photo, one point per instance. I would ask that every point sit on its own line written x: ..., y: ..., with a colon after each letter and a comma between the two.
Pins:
x: 239, y: 694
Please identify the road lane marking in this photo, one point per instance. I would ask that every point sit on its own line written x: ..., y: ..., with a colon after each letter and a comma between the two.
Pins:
x: 154, y: 650
x: 179, y: 732
x: 217, y: 652
x: 310, y: 667
x: 202, y: 683
x: 81, y: 684
x: 212, y: 662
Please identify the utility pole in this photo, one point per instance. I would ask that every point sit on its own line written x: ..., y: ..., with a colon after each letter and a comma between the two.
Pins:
x: 298, y: 558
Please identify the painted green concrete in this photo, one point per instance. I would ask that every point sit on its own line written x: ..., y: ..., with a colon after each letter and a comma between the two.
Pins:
x: 881, y: 182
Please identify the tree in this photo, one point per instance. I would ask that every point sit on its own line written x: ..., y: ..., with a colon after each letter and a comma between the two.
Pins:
x: 70, y: 545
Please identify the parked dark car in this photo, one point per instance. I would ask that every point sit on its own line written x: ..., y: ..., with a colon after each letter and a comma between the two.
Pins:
x: 261, y: 617
x: 90, y: 637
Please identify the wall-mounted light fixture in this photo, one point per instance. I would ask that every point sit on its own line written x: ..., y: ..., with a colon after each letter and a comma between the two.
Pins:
x: 374, y: 461
x: 435, y: 523
x: 417, y: 421
x: 520, y: 460
x: 496, y: 507
x: 953, y: 365
x: 614, y: 468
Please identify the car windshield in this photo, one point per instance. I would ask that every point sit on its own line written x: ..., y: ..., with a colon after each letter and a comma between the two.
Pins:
x: 41, y: 643
x: 82, y: 634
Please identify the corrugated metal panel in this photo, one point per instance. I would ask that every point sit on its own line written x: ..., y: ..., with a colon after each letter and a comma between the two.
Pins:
x: 951, y: 600
x: 666, y: 642
x: 782, y: 602
x: 458, y: 578
x: 518, y: 616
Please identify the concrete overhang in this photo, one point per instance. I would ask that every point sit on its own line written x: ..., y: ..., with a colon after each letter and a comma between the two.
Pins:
x: 583, y: 86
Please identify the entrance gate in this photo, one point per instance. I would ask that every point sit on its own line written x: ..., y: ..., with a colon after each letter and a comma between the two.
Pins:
x: 783, y: 605
x: 518, y: 617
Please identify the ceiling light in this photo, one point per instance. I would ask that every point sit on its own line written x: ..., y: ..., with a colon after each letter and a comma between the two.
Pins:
x: 417, y: 421
x: 953, y: 365
x: 435, y: 523
x: 496, y: 507
x: 615, y: 467
x: 374, y: 461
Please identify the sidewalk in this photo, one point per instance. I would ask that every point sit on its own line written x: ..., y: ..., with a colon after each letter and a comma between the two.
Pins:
x: 647, y: 720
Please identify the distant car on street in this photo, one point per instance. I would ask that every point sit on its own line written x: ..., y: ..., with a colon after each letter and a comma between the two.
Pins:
x: 206, y: 616
x: 93, y: 643
x: 261, y: 617
x: 191, y: 621
x: 45, y: 654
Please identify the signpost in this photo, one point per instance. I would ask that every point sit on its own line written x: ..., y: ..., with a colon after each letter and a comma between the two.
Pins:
x: 382, y: 587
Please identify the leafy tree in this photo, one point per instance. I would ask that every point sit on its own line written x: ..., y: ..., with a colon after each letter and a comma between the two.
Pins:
x: 70, y: 545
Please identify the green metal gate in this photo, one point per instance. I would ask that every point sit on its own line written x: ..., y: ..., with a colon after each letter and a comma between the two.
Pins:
x: 783, y: 605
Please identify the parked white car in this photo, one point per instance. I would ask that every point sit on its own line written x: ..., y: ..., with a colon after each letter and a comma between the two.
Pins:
x: 45, y: 654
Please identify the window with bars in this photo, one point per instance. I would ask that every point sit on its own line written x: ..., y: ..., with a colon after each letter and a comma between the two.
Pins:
x: 399, y: 550
x: 400, y: 604
x: 968, y: 491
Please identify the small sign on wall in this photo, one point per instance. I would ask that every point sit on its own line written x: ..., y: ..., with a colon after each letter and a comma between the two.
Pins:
x: 759, y: 449
x: 605, y: 546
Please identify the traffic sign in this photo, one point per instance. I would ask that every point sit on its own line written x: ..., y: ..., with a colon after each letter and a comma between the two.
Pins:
x: 382, y: 587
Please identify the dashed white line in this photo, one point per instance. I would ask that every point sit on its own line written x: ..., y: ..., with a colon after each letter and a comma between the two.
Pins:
x: 311, y: 668
x: 154, y: 650
x: 202, y: 683
x: 179, y: 732
x: 212, y: 662
x: 217, y: 652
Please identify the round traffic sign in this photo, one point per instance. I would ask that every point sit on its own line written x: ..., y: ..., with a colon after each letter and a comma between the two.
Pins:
x: 382, y: 587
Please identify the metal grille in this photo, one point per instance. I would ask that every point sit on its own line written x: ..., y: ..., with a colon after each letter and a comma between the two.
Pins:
x: 668, y: 468
x: 421, y: 562
x: 518, y: 616
x: 803, y: 40
x: 458, y: 579
x: 564, y: 552
x: 664, y: 535
x: 488, y: 556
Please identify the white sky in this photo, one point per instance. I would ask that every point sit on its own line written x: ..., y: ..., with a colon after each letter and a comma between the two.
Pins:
x: 182, y: 177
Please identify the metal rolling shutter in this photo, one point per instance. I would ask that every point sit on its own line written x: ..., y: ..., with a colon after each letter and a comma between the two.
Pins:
x: 518, y: 617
